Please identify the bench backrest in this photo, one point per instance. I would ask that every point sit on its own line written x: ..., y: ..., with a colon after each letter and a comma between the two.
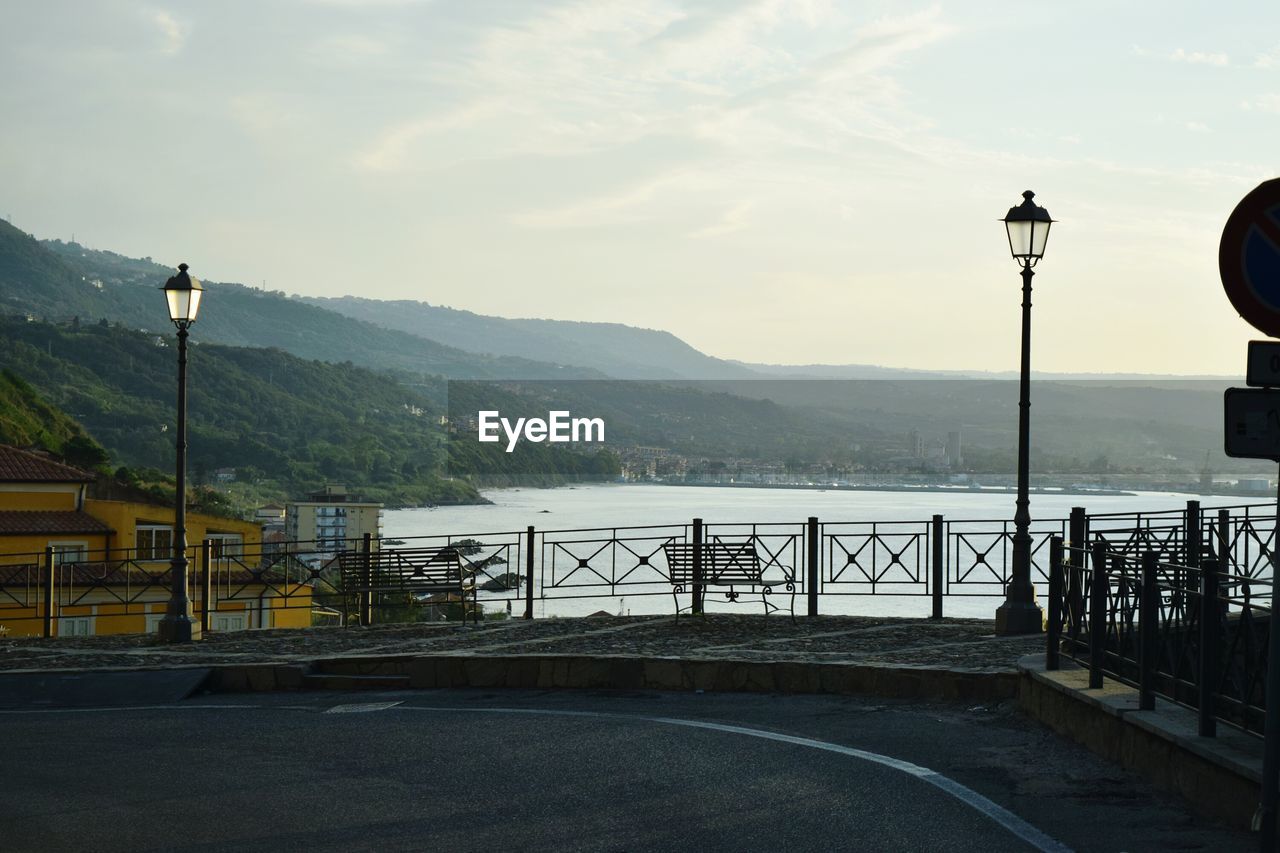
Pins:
x: 403, y: 569
x: 722, y: 562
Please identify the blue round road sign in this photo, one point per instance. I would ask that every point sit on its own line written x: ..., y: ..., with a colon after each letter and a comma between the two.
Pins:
x: 1249, y: 258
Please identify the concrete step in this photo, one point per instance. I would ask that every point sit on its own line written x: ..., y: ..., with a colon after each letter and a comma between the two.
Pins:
x: 327, y: 681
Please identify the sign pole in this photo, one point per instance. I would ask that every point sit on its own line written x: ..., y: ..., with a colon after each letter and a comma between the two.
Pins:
x: 1249, y: 266
x: 1271, y: 748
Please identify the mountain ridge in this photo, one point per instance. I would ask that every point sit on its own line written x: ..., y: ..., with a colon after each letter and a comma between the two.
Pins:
x: 59, y: 280
x: 617, y: 349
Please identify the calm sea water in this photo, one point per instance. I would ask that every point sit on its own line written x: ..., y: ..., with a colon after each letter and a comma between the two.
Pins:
x: 637, y: 505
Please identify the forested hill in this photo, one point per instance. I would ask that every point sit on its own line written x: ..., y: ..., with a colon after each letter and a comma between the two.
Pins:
x: 58, y: 281
x: 28, y: 420
x: 270, y: 415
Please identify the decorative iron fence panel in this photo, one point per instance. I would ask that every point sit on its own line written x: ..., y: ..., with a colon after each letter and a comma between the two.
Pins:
x: 606, y: 562
x: 979, y: 554
x: 876, y: 558
x: 299, y: 583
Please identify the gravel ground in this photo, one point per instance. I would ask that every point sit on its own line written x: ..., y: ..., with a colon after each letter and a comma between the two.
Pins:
x: 952, y: 643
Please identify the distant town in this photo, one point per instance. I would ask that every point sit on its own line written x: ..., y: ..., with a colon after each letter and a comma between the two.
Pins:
x: 923, y: 465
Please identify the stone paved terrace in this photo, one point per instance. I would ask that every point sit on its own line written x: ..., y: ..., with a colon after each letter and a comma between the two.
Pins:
x: 960, y: 644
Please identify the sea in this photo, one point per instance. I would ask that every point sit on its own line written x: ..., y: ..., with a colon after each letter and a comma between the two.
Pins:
x: 593, y: 507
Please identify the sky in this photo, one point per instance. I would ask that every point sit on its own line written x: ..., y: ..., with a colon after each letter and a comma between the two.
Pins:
x: 784, y: 182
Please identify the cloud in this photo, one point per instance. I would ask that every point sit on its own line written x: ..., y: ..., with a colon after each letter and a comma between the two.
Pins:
x: 589, y: 75
x: 1269, y: 103
x: 734, y: 39
x: 364, y: 4
x: 620, y: 208
x: 348, y: 49
x: 393, y: 150
x: 711, y: 102
x: 734, y: 219
x: 1196, y: 57
x: 174, y: 32
x: 263, y: 116
x: 1198, y: 127
x: 1189, y: 57
x: 1267, y: 60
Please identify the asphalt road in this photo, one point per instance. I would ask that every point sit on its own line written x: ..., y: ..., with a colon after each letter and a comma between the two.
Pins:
x: 568, y: 770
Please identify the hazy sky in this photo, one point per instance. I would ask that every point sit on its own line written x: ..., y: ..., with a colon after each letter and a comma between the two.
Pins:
x: 771, y: 181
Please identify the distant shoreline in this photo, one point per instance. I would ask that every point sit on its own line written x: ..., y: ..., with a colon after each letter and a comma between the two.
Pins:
x: 954, y: 490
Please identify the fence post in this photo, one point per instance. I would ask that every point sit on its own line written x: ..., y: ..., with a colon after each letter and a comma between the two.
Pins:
x: 1193, y: 537
x: 811, y: 580
x: 1210, y: 660
x: 206, y: 583
x: 1224, y: 540
x: 47, y: 582
x: 1098, y: 615
x: 528, y: 573
x: 1192, y: 545
x: 937, y: 564
x: 696, y: 605
x: 1148, y: 630
x: 1078, y: 531
x: 1226, y: 562
x: 1053, y: 636
x: 366, y: 576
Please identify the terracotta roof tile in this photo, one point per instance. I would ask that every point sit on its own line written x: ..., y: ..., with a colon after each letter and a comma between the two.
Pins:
x: 24, y: 466
x: 151, y: 573
x: 15, y: 522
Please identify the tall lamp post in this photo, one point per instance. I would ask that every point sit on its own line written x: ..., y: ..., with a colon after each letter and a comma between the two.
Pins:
x: 183, y: 294
x: 1028, y: 229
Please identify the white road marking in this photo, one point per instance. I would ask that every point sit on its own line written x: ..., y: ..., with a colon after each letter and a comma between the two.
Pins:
x: 968, y: 796
x: 360, y: 707
x: 1005, y: 818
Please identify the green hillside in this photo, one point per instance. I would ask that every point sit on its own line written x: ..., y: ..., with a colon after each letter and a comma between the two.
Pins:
x: 273, y: 417
x: 28, y: 420
x: 58, y: 281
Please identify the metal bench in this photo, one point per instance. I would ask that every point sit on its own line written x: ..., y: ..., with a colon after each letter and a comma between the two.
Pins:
x: 408, y: 571
x: 727, y: 564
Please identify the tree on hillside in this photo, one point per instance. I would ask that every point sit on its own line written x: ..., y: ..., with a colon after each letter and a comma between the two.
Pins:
x: 84, y: 452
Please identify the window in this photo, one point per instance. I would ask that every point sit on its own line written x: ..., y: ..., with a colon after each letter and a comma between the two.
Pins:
x: 225, y: 545
x: 228, y: 621
x: 154, y: 542
x: 75, y: 626
x: 69, y: 552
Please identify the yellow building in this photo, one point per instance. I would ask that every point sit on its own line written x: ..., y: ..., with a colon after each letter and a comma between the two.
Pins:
x: 110, y: 560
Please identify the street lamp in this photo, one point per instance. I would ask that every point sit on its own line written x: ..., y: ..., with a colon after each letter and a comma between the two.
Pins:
x: 183, y: 294
x: 1028, y: 229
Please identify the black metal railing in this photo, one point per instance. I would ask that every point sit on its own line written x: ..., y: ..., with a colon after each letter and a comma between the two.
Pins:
x: 1195, y: 635
x: 293, y: 584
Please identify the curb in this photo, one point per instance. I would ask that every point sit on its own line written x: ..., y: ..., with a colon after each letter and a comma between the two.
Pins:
x: 1219, y: 777
x: 621, y: 672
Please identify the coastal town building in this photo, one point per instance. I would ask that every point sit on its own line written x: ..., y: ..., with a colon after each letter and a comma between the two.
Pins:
x: 331, y: 519
x: 109, y: 558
